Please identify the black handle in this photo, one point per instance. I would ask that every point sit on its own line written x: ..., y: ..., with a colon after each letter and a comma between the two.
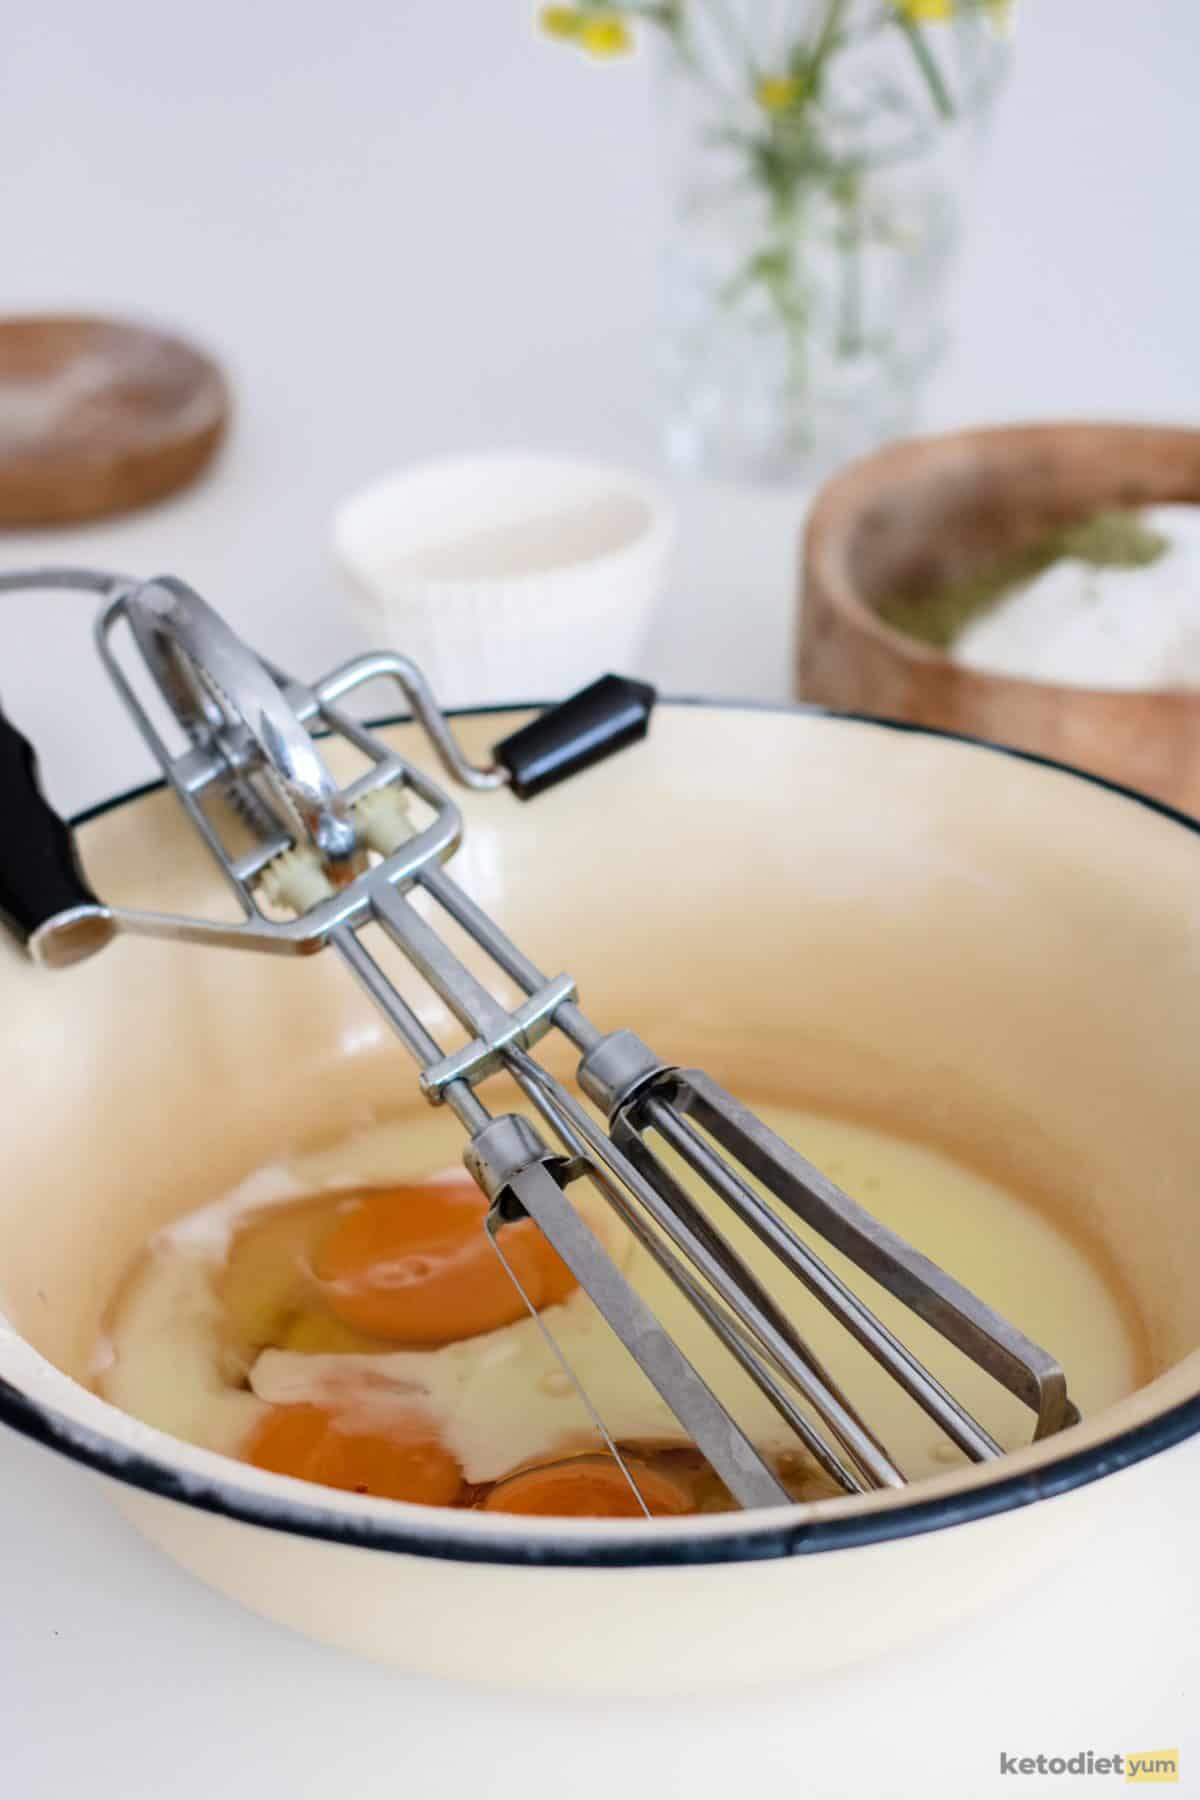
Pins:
x: 591, y: 725
x: 39, y: 875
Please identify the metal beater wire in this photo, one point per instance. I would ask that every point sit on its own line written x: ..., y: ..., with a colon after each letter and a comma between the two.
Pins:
x: 821, y: 1281
x: 545, y: 1096
x: 492, y: 1229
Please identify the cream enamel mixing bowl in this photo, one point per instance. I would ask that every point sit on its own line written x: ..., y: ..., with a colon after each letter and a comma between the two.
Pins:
x: 996, y: 954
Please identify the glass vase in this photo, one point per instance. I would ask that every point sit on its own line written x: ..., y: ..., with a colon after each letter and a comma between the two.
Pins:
x: 822, y: 152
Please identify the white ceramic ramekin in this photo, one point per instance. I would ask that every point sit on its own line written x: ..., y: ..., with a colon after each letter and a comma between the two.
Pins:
x: 507, y: 573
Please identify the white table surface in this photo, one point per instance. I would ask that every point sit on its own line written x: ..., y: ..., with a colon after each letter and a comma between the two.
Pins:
x: 410, y: 229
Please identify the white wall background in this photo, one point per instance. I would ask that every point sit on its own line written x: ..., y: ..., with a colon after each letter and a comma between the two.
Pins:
x: 410, y: 226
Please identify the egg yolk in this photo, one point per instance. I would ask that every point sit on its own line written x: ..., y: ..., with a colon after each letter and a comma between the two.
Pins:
x: 589, y: 1487
x: 403, y: 1461
x: 414, y: 1264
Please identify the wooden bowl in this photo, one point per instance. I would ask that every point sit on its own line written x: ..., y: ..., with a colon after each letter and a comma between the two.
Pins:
x: 933, y: 511
x: 98, y: 416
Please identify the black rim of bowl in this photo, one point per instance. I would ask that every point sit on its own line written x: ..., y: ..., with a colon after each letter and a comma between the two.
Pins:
x: 656, y: 1546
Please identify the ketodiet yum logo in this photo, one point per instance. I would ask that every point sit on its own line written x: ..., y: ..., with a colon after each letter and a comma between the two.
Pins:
x: 1127, y: 1765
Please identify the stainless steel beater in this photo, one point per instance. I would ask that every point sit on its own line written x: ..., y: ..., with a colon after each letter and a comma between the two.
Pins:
x: 325, y: 861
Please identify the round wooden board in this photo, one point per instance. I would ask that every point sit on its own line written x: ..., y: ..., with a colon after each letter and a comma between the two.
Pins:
x: 98, y: 416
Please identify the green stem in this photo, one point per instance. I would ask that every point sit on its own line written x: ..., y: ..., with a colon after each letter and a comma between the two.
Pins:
x: 827, y: 36
x: 850, y: 308
x: 938, y: 90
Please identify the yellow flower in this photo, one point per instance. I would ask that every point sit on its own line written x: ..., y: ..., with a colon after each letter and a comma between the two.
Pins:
x: 925, y: 12
x: 559, y: 21
x: 775, y: 93
x: 604, y: 35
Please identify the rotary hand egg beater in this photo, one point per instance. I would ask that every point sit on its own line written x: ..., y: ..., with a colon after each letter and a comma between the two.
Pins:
x: 326, y: 860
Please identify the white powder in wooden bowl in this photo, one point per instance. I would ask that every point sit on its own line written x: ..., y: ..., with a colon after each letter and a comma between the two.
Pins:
x: 1101, y: 627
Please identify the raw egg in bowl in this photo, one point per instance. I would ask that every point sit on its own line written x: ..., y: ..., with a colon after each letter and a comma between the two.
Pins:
x: 241, y: 1272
